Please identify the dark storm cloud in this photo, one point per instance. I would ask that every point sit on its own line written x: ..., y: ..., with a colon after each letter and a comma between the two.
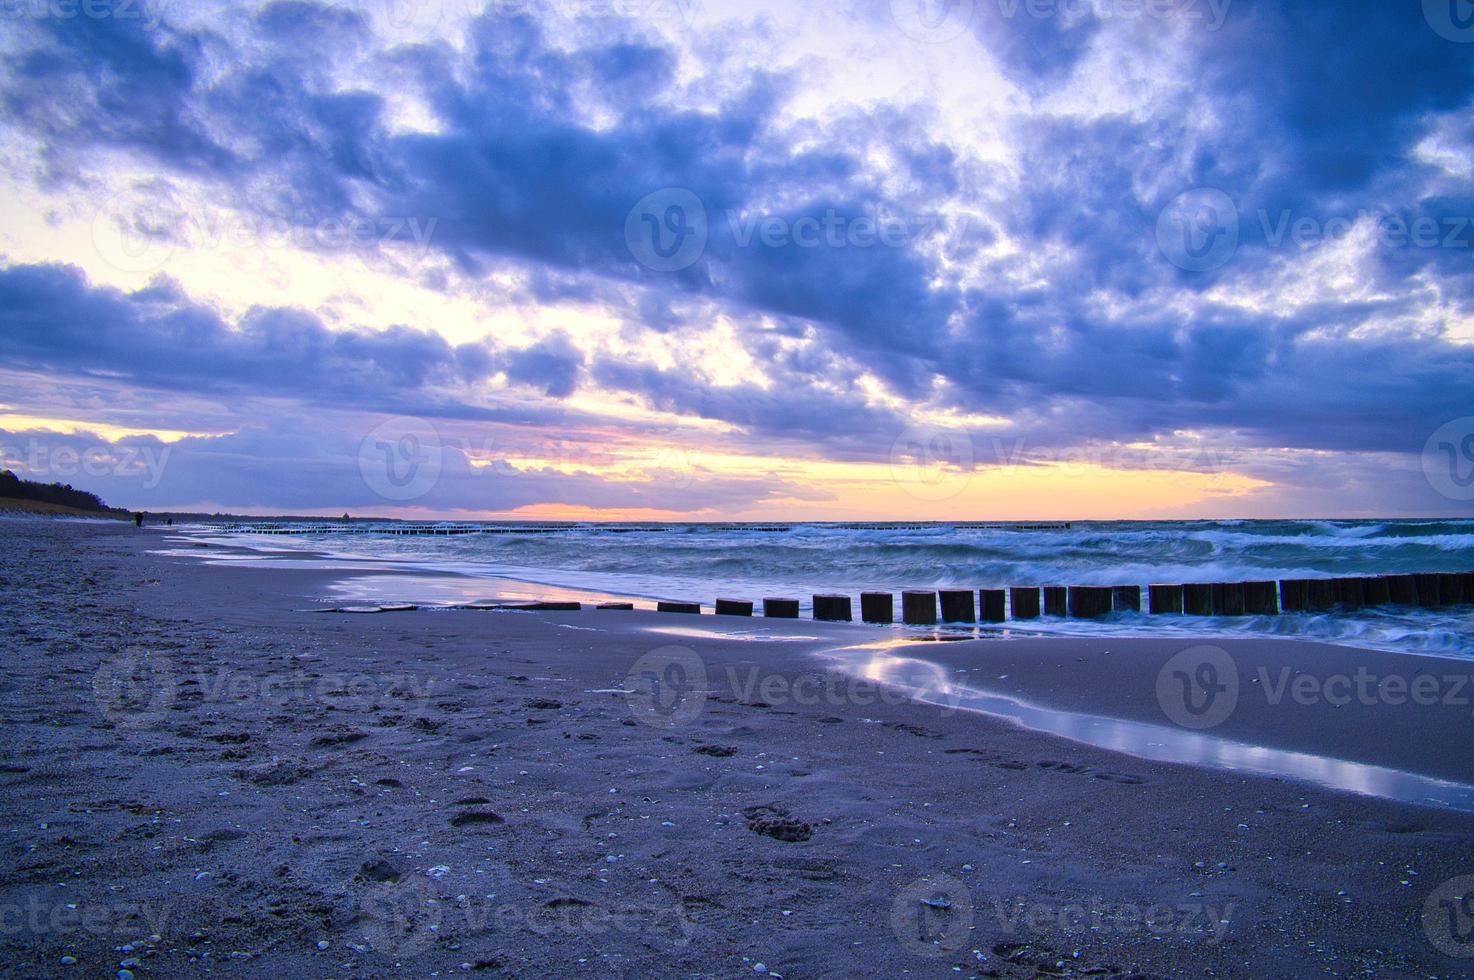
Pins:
x: 540, y: 150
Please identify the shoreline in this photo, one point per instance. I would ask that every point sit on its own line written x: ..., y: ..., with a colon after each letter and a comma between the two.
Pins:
x: 255, y: 804
x: 463, y: 577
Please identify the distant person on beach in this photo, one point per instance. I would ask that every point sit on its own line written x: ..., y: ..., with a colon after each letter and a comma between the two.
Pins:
x: 138, y: 519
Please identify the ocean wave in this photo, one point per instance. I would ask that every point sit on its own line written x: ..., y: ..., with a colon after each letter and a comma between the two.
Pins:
x: 704, y: 561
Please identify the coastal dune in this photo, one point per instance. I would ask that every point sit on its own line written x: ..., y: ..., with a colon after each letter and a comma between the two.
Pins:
x: 202, y: 772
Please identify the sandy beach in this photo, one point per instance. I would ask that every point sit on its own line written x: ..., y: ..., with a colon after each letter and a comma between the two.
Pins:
x: 204, y: 773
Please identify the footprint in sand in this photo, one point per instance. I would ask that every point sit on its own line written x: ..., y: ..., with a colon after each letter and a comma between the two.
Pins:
x: 1072, y: 769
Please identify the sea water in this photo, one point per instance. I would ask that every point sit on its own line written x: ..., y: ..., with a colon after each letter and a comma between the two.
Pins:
x: 701, y: 562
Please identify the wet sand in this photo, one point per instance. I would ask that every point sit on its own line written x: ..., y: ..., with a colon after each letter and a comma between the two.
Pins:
x: 201, y: 774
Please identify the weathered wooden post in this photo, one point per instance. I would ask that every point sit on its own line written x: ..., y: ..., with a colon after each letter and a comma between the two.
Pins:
x: 1056, y: 601
x: 780, y: 608
x: 1403, y: 590
x: 1164, y: 599
x: 957, y: 606
x: 1024, y: 602
x: 991, y: 605
x: 1349, y: 593
x: 1261, y: 599
x: 878, y: 607
x: 1126, y: 598
x: 1089, y: 602
x: 1376, y: 591
x: 1197, y: 599
x: 733, y: 607
x: 1294, y: 594
x: 1428, y: 591
x: 919, y: 608
x: 1228, y: 599
x: 832, y: 608
x: 1322, y: 594
x: 693, y: 608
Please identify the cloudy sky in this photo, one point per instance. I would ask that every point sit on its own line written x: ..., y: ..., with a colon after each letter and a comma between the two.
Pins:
x: 702, y: 259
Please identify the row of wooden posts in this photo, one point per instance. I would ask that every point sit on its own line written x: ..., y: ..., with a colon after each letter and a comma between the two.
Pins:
x: 1090, y: 602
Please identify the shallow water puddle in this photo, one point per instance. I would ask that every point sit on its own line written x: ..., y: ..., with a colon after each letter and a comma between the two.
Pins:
x: 883, y: 662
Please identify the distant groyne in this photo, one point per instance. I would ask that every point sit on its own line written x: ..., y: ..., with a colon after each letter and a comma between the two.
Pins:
x: 929, y: 607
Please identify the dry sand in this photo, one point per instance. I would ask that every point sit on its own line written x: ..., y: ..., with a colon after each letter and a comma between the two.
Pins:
x: 200, y: 775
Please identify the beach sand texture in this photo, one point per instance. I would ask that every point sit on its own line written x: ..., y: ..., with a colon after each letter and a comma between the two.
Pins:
x: 202, y: 774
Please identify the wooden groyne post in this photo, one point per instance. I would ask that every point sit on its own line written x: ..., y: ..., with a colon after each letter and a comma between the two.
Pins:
x: 919, y: 608
x: 1164, y: 600
x: 878, y: 607
x: 780, y: 608
x: 1228, y: 599
x: 1261, y: 599
x: 1197, y: 599
x: 1126, y: 598
x: 1089, y: 601
x: 833, y: 608
x: 1024, y: 602
x: 957, y: 606
x: 1056, y: 601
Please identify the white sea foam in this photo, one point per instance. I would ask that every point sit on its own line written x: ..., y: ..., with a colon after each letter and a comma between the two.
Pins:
x: 703, y: 562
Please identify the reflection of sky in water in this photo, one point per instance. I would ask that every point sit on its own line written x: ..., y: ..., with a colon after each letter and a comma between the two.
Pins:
x: 449, y: 590
x: 883, y: 662
x: 426, y: 583
x: 758, y: 635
